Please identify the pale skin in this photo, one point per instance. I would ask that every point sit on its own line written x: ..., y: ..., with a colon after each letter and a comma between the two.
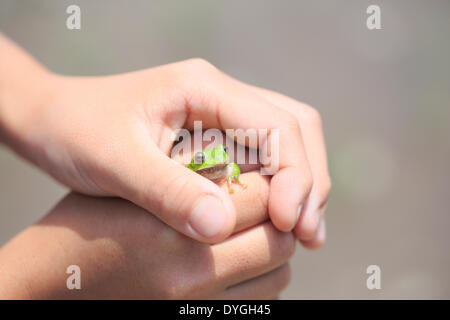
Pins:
x: 112, y: 135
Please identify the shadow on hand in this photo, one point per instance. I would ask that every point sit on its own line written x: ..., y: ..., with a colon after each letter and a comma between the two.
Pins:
x: 124, y: 250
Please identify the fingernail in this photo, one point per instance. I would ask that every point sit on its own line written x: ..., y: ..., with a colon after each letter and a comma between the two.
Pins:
x: 317, y: 215
x: 310, y: 221
x: 299, y: 209
x: 322, y: 231
x: 208, y: 216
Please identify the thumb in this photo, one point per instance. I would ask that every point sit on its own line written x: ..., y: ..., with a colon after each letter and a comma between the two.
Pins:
x: 186, y: 201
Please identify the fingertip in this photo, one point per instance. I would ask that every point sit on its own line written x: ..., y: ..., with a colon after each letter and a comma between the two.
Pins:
x: 308, y: 224
x: 319, y: 239
x: 212, y: 219
x: 288, y: 192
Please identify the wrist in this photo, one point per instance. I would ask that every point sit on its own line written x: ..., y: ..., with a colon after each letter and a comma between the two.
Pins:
x: 21, y: 104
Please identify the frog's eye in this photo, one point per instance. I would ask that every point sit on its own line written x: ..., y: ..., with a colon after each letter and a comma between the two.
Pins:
x: 225, y: 149
x: 199, y: 157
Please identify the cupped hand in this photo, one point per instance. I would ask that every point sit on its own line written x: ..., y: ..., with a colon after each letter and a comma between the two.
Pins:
x: 112, y: 136
x: 122, y: 251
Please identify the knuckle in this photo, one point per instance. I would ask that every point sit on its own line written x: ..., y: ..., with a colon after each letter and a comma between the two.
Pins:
x: 307, y: 182
x: 289, y: 120
x: 312, y: 116
x: 196, y: 77
x: 197, y: 65
x: 288, y: 123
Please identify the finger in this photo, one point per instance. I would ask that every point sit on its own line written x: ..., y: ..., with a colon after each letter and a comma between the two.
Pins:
x: 250, y: 203
x: 267, y: 286
x: 319, y: 239
x: 251, y: 253
x: 222, y: 102
x: 312, y: 132
x: 184, y: 200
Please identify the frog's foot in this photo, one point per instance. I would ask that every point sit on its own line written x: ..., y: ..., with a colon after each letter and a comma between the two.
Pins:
x: 236, y: 181
x: 230, y: 188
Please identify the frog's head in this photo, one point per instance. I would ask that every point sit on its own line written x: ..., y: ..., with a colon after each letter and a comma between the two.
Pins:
x: 209, y: 158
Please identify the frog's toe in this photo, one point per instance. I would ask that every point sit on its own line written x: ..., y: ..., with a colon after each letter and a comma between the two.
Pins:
x: 243, y: 186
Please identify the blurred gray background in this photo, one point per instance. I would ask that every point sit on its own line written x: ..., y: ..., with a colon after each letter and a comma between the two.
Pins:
x: 384, y: 96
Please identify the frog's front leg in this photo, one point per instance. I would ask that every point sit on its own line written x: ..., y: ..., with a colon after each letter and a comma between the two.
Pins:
x: 230, y: 188
x: 236, y: 181
x: 235, y: 175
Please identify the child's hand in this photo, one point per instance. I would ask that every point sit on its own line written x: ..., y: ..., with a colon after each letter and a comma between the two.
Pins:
x: 124, y: 252
x: 112, y: 136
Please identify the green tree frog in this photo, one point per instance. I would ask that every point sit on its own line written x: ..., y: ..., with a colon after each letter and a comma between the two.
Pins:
x: 214, y: 164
